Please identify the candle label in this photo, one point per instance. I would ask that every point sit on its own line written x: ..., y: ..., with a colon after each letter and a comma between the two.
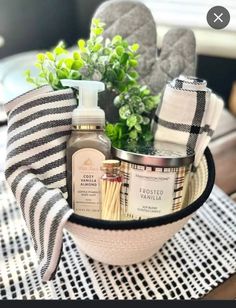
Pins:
x: 86, y: 175
x: 150, y: 193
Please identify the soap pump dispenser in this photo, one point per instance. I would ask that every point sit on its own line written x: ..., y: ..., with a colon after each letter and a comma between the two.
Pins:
x: 87, y: 148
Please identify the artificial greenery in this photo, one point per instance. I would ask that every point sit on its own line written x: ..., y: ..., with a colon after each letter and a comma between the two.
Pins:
x: 113, y: 62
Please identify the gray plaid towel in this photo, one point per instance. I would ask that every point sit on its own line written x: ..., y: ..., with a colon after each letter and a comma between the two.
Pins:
x: 188, y: 114
x: 39, y: 124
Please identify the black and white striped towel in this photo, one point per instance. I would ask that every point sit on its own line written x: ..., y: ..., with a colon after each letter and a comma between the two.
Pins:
x: 188, y: 114
x: 39, y: 123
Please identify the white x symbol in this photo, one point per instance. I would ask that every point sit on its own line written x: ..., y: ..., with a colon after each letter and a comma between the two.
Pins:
x: 218, y: 17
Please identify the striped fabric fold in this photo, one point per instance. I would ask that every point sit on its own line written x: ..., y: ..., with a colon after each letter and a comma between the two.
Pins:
x: 188, y: 114
x: 39, y: 123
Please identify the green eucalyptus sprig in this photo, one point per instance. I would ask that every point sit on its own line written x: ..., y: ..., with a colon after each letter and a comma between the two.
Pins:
x: 135, y: 104
x: 56, y: 65
x: 113, y: 62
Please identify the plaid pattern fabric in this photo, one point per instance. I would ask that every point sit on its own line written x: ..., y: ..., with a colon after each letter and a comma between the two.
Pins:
x: 39, y: 124
x: 181, y: 174
x: 188, y: 114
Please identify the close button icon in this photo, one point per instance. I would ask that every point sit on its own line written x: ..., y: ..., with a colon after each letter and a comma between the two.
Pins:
x: 218, y: 17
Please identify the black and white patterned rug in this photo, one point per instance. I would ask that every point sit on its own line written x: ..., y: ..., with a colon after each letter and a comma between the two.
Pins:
x: 197, y: 259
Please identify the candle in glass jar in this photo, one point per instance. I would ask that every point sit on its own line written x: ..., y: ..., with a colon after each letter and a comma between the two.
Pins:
x: 155, y: 179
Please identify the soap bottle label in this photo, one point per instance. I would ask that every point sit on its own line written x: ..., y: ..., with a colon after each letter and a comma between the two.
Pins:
x: 86, y: 175
x: 150, y: 193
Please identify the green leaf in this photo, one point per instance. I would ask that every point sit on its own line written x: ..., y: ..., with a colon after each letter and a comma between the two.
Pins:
x: 40, y: 57
x: 136, y: 100
x: 139, y: 118
x: 147, y: 136
x: 116, y: 131
x: 96, y: 47
x: 138, y: 128
x: 121, y: 87
x: 112, y: 57
x: 81, y: 45
x: 50, y: 77
x: 133, y: 62
x: 125, y: 44
x: 86, y: 58
x: 117, y: 101
x: 134, y: 91
x: 59, y: 50
x: 119, y: 50
x: 111, y: 75
x: 69, y: 62
x: 30, y: 80
x: 145, y: 91
x: 135, y: 47
x: 124, y: 112
x: 97, y: 31
x: 157, y: 99
x: 131, y: 121
x: 120, y: 75
x: 120, y: 130
x: 133, y: 74
x: 60, y: 63
x: 116, y: 39
x: 124, y: 58
x: 96, y: 22
x: 75, y: 75
x: 109, y: 130
x: 77, y: 64
x: 50, y: 56
x: 56, y: 83
x: 62, y: 74
x: 76, y: 55
x: 133, y: 134
x: 140, y: 107
x: 42, y: 75
x: 146, y: 120
x: 150, y: 104
x: 106, y: 51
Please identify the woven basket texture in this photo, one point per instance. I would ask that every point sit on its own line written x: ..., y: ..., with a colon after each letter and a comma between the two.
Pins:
x: 124, y: 247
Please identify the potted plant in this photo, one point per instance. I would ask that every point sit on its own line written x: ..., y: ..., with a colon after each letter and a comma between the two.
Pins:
x: 127, y: 103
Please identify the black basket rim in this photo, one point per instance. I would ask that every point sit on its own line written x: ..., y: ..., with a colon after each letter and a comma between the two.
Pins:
x: 156, y: 221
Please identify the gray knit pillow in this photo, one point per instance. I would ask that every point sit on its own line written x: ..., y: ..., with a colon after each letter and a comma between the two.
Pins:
x: 134, y: 21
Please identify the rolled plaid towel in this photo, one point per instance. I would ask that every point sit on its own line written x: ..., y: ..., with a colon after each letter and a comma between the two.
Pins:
x: 188, y: 114
x: 39, y: 124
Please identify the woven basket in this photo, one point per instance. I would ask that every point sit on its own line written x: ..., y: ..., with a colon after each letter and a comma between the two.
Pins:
x: 129, y: 242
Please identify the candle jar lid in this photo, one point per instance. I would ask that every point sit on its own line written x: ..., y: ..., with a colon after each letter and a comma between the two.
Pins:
x: 158, y: 154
